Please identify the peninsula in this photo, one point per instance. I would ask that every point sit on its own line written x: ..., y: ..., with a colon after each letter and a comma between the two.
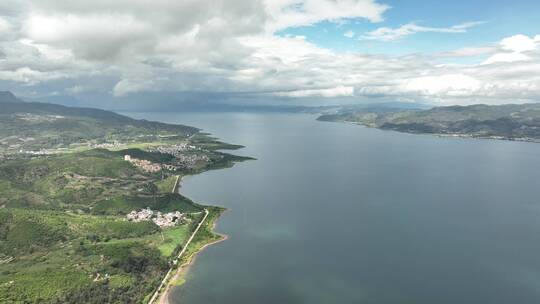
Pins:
x: 509, y: 122
x: 89, y: 204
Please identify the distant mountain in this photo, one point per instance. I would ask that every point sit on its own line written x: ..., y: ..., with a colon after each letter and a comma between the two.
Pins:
x: 100, y: 116
x: 33, y: 125
x: 374, y: 107
x: 512, y: 122
x: 206, y: 102
x: 7, y: 96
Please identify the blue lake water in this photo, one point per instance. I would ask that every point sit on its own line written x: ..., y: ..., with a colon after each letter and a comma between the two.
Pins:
x: 337, y: 213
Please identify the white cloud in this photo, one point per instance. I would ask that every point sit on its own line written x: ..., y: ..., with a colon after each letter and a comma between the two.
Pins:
x: 129, y: 30
x: 519, y: 43
x: 90, y: 37
x: 349, y: 34
x: 331, y: 92
x: 27, y: 75
x: 392, y: 34
x: 123, y: 47
x: 450, y: 84
x: 127, y: 86
x: 5, y: 26
x: 469, y: 52
x: 514, y: 49
x: 50, y: 53
x: 506, y: 57
x: 292, y: 13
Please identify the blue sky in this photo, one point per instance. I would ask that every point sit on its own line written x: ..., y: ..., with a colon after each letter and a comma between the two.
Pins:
x: 502, y: 19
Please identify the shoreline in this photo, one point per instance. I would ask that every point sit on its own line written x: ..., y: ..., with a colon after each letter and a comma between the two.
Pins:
x: 183, y: 263
x: 179, y: 277
x: 445, y: 135
x: 180, y: 273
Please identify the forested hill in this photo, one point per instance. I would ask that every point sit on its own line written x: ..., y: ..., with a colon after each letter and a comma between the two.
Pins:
x: 27, y: 125
x: 513, y: 122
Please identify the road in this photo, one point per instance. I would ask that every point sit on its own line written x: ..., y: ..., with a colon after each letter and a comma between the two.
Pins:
x: 175, y: 187
x: 163, y: 285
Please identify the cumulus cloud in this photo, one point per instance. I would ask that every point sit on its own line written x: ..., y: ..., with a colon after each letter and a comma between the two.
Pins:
x: 96, y: 37
x: 393, y: 34
x: 104, y: 30
x: 515, y: 48
x: 123, y: 47
x: 520, y: 43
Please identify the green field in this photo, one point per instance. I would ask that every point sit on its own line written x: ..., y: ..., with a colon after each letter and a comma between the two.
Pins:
x: 172, y: 238
x: 166, y: 185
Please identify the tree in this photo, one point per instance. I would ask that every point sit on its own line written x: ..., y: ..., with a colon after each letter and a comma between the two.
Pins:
x: 152, y: 189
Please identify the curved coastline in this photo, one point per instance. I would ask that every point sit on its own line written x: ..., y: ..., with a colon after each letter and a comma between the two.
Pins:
x: 181, y: 271
x: 179, y: 277
x: 195, y: 244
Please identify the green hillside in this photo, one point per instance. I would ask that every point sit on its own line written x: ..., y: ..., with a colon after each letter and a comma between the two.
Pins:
x: 512, y: 122
x: 65, y: 191
x: 35, y: 126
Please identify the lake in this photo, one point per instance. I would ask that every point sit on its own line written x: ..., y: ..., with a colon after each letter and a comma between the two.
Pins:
x: 337, y: 213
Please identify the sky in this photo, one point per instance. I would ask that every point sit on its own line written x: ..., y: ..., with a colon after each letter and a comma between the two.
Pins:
x: 292, y: 51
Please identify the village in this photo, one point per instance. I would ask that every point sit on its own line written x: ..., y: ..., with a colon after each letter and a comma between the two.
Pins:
x: 189, y: 161
x: 178, y: 151
x: 149, y: 166
x: 163, y: 220
x: 174, y: 150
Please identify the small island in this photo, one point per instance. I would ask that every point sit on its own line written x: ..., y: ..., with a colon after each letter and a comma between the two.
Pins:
x: 90, y: 208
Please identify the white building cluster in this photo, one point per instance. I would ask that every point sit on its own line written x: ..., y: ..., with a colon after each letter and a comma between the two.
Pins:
x: 149, y: 166
x: 174, y: 150
x: 107, y: 145
x: 185, y: 153
x: 145, y: 165
x: 163, y: 220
